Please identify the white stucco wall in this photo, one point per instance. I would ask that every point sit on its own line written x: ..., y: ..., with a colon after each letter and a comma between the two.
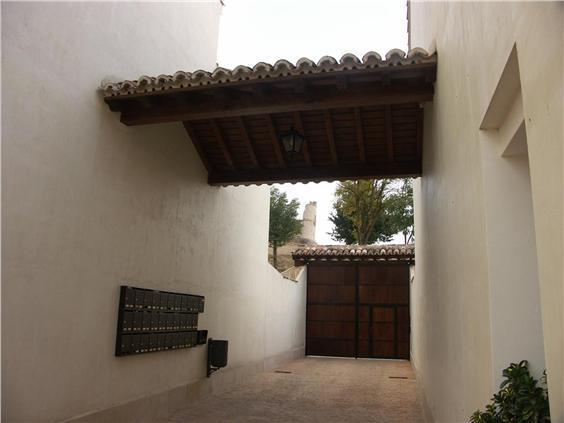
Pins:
x: 452, y: 348
x: 286, y: 318
x: 515, y: 309
x: 90, y: 204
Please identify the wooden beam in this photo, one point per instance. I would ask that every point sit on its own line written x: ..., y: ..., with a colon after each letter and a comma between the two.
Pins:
x: 279, y: 103
x: 330, y: 137
x: 260, y: 91
x: 389, y: 132
x: 248, y: 142
x: 386, y: 79
x: 359, y: 135
x: 315, y: 174
x: 419, y: 139
x: 274, y: 140
x: 197, y: 145
x: 221, y: 143
x: 342, y: 83
x: 299, y: 126
x: 300, y: 86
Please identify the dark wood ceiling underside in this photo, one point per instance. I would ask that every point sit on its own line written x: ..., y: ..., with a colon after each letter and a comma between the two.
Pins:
x: 345, y: 142
x: 357, y: 125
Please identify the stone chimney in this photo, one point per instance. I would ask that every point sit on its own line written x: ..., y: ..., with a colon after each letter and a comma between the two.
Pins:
x: 308, y: 222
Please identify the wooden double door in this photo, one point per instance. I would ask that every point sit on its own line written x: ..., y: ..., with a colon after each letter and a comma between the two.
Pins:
x: 358, y: 310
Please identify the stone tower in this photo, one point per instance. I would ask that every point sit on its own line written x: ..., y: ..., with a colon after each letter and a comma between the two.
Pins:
x: 308, y: 222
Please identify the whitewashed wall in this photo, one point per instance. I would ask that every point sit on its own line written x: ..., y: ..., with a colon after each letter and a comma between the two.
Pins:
x: 458, y: 265
x: 90, y: 204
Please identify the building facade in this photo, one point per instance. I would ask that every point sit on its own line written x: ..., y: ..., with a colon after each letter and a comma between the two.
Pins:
x: 90, y: 204
x: 488, y: 208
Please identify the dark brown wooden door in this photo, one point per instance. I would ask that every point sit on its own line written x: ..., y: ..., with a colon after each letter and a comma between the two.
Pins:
x: 358, y: 310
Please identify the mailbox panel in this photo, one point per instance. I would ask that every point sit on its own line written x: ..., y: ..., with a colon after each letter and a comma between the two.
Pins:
x: 153, y: 320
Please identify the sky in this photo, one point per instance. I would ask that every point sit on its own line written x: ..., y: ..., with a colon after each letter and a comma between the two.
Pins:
x: 254, y: 31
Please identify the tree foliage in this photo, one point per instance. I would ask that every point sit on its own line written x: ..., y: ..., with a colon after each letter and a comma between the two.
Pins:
x: 365, y: 212
x: 400, y: 210
x: 284, y: 225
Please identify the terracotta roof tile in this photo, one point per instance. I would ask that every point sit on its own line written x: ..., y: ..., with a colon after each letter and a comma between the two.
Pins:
x: 282, y: 68
x: 389, y: 252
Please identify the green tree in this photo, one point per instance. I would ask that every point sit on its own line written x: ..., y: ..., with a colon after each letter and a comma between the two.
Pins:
x: 365, y: 212
x: 399, y: 208
x: 284, y: 225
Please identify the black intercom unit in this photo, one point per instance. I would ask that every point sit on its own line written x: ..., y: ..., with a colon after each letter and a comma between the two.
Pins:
x: 150, y: 320
x: 217, y: 355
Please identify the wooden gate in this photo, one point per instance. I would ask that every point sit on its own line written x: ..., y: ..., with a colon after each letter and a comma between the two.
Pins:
x: 358, y: 310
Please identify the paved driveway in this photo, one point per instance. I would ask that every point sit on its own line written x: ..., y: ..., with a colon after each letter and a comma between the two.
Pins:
x: 317, y: 390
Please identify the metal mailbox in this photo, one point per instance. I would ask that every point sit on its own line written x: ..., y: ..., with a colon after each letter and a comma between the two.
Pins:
x: 151, y: 320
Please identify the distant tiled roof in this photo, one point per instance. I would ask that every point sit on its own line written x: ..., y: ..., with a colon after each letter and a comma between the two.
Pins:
x: 355, y: 253
x: 282, y: 68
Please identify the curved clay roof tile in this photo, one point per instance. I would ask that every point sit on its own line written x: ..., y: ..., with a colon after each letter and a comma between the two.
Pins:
x: 241, y: 72
x: 395, y: 56
x: 327, y: 63
x: 200, y: 77
x: 180, y: 76
x: 221, y: 75
x: 372, y: 59
x: 283, y: 67
x: 264, y: 70
x: 261, y: 70
x: 417, y: 52
x: 305, y: 65
x: 349, y: 61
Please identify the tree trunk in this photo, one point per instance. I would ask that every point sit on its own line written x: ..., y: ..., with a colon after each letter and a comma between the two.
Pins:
x: 275, y: 255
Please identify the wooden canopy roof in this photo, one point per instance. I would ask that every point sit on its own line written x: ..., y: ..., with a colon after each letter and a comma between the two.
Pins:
x: 361, y: 119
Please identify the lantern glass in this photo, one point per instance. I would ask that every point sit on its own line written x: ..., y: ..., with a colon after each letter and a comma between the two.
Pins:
x: 288, y: 142
x: 298, y: 143
x: 292, y: 142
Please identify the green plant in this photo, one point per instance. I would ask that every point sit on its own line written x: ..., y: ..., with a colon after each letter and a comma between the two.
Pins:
x: 283, y: 223
x: 519, y: 399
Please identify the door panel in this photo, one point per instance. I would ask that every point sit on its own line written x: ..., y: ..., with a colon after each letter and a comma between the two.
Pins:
x: 331, y: 311
x: 358, y: 310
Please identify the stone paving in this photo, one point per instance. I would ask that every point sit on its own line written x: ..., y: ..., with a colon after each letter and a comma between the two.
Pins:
x: 315, y: 389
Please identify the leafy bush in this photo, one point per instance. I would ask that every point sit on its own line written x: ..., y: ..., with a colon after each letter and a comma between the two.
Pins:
x: 519, y: 399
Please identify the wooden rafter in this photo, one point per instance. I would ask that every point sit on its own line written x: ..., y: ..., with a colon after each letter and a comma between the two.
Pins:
x: 326, y: 173
x: 221, y: 143
x: 247, y: 141
x: 298, y: 124
x: 419, y: 139
x: 234, y: 124
x: 274, y: 140
x: 331, y: 137
x: 389, y: 132
x: 359, y: 135
x: 197, y: 145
